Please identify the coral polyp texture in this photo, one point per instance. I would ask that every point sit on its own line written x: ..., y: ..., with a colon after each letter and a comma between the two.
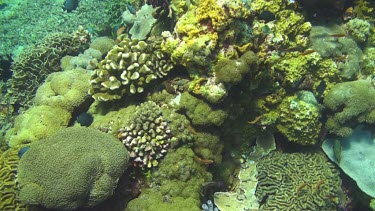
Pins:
x: 147, y: 135
x: 297, y: 182
x: 128, y: 68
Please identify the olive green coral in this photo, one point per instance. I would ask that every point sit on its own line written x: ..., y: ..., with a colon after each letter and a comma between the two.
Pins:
x: 128, y: 68
x: 77, y: 167
x: 297, y: 181
x: 200, y: 112
x: 176, y: 184
x: 37, y: 123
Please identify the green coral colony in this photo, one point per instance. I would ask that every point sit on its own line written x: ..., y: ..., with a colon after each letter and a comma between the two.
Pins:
x: 187, y: 105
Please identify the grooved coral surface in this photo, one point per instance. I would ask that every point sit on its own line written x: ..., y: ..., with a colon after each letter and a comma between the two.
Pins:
x: 297, y: 181
x: 77, y: 167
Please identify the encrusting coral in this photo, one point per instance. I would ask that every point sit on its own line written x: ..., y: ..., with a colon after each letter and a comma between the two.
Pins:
x: 297, y: 182
x: 349, y: 104
x: 175, y: 185
x: 128, y: 69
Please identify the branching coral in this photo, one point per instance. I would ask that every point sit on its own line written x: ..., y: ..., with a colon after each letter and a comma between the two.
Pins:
x: 146, y: 135
x: 128, y: 69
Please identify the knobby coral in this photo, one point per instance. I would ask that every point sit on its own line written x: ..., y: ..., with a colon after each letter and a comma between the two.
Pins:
x: 147, y: 135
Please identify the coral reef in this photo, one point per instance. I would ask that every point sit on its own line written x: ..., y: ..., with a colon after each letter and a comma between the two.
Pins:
x: 343, y: 50
x: 231, y: 72
x: 297, y: 182
x: 208, y: 147
x: 35, y: 63
x: 128, y: 68
x: 201, y: 31
x: 349, y: 104
x: 95, y: 160
x: 66, y: 90
x: 37, y: 123
x: 147, y: 135
x: 88, y: 60
x: 102, y: 44
x: 175, y: 185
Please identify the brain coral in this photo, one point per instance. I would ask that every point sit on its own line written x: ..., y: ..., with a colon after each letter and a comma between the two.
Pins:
x: 77, y: 167
x: 297, y: 182
x: 128, y: 68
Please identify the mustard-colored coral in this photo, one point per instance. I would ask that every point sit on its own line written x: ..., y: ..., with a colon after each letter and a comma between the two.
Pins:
x: 298, y: 118
x: 8, y: 187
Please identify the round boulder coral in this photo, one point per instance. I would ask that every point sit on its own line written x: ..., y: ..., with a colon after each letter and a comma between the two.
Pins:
x: 76, y: 167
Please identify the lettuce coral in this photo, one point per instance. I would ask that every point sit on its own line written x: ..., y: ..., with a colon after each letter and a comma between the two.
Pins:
x: 8, y: 187
x: 34, y: 64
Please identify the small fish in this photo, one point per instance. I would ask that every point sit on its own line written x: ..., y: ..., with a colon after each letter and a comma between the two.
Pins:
x: 22, y: 151
x: 85, y: 119
x: 130, y: 8
x: 337, y: 148
x: 70, y: 5
x: 307, y: 52
x: 338, y: 35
